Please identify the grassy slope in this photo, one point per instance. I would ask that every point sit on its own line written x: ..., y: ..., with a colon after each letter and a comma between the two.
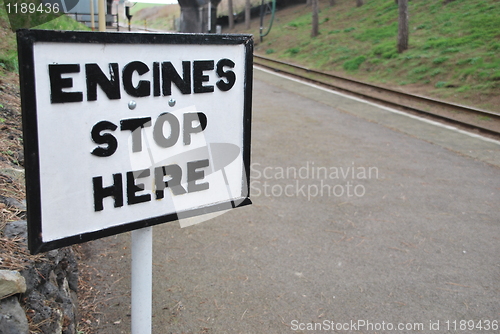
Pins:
x: 8, y: 52
x: 159, y: 17
x: 454, y: 48
x: 8, y: 46
x: 138, y: 6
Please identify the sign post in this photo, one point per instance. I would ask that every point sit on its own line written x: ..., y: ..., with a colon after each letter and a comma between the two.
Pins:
x: 127, y: 14
x: 101, y: 15
x: 142, y: 280
x: 92, y: 19
x: 125, y: 131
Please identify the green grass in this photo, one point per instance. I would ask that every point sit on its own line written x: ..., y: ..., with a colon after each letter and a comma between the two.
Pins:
x: 8, y: 46
x: 453, y: 47
x: 440, y: 60
x: 62, y: 23
x: 293, y: 51
x: 138, y: 6
x: 353, y: 64
x: 154, y: 16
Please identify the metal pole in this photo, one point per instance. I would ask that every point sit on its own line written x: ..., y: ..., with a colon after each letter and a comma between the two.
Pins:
x: 142, y: 280
x: 262, y: 13
x: 201, y: 19
x: 102, y: 15
x: 92, y: 19
x: 209, y: 16
x: 117, y: 16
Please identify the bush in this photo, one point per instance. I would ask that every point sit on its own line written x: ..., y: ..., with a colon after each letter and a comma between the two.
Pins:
x: 386, y: 50
x: 496, y: 76
x: 8, y: 61
x: 450, y: 50
x: 353, y: 64
x: 293, y: 51
x: 420, y: 70
x: 440, y: 60
x: 378, y: 33
x: 435, y: 72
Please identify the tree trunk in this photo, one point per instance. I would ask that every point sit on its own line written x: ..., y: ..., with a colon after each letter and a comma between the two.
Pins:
x: 403, y: 29
x: 359, y: 3
x: 230, y: 15
x: 332, y: 2
x: 315, y: 20
x: 248, y: 6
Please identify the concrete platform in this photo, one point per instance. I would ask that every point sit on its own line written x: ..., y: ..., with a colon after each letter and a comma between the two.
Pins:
x: 463, y: 142
x: 364, y: 221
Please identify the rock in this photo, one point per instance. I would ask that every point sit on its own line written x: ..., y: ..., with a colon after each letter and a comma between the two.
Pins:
x: 50, y: 298
x: 45, y: 312
x: 18, y: 228
x: 20, y: 158
x: 51, y: 292
x: 14, y: 173
x: 12, y: 317
x: 11, y: 282
x: 67, y: 268
x: 69, y: 307
x: 35, y: 275
x: 12, y: 202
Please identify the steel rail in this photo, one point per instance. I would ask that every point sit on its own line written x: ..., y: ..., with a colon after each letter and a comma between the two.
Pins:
x: 483, y: 120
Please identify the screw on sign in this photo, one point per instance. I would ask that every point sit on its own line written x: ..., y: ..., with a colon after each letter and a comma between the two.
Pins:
x: 125, y: 131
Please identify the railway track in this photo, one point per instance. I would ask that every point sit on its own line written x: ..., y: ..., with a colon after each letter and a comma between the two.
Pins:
x: 472, y: 119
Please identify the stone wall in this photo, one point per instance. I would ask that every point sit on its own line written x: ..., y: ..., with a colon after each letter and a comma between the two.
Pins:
x: 48, y: 298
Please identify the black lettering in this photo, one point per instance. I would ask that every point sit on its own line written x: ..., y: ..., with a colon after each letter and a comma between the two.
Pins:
x: 115, y: 191
x: 174, y: 182
x: 169, y: 75
x: 229, y: 75
x: 57, y: 83
x: 135, y: 125
x: 199, y: 78
x: 95, y: 76
x: 189, y: 118
x: 106, y: 138
x: 194, y: 175
x: 158, y: 135
x: 156, y: 79
x: 132, y: 188
x: 144, y: 87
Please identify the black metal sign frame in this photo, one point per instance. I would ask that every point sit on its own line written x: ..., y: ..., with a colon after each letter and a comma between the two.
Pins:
x: 26, y: 40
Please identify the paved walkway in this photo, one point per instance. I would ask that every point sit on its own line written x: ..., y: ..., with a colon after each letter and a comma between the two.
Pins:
x: 364, y: 220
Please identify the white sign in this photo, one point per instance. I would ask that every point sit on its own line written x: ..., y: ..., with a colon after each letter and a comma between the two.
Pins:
x: 124, y: 131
